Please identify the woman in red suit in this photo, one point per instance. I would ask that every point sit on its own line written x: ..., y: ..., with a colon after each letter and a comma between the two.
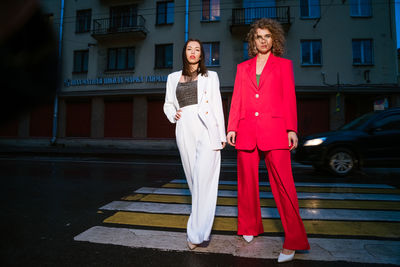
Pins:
x: 263, y: 120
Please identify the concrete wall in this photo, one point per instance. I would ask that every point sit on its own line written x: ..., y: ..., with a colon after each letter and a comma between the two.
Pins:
x: 336, y: 29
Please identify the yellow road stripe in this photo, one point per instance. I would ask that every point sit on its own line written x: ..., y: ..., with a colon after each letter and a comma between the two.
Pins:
x: 134, y: 197
x: 308, y: 189
x: 337, y: 228
x: 303, y: 203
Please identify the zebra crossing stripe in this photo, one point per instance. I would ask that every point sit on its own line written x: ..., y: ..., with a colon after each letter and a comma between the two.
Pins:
x: 306, y: 189
x: 267, y: 213
x: 263, y: 183
x: 303, y: 203
x: 300, y: 195
x: 360, y: 229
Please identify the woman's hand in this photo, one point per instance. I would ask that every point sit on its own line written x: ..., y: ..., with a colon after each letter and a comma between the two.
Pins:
x: 231, y: 138
x: 293, y: 141
x: 178, y: 114
x: 223, y: 145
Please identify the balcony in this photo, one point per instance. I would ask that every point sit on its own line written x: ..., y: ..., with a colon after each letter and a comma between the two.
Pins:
x: 108, y: 2
x: 119, y: 27
x: 243, y: 17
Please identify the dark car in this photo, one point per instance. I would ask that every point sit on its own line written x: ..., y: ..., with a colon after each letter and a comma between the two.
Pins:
x: 372, y: 140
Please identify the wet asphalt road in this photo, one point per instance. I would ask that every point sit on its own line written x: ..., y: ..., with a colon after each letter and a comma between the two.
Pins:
x: 48, y: 201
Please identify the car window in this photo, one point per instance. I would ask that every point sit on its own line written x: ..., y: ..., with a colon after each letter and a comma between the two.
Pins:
x: 358, y: 122
x: 389, y: 123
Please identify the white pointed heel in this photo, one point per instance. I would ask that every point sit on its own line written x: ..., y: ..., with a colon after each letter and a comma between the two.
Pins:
x: 285, y: 258
x: 191, y: 245
x: 248, y: 238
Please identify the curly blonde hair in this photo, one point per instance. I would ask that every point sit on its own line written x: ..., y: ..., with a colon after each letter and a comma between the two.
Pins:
x: 278, y: 36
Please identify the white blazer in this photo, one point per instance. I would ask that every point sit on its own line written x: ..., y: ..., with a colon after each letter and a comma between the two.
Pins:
x: 209, y: 101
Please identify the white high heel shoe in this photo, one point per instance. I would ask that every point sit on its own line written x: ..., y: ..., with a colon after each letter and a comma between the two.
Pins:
x: 191, y: 245
x: 284, y: 258
x: 248, y: 238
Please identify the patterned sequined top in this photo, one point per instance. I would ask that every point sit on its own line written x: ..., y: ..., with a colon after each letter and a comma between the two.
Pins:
x: 186, y: 93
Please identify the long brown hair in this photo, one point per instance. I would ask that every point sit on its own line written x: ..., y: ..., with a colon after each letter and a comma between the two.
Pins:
x: 186, y: 70
x: 278, y: 36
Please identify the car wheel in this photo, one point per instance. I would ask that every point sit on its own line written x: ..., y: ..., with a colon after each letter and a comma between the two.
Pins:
x: 341, y: 161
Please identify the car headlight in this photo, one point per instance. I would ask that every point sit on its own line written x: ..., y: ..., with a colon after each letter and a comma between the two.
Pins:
x: 315, y: 142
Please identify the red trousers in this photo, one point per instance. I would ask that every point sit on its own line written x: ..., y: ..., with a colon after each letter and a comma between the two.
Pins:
x: 284, y: 192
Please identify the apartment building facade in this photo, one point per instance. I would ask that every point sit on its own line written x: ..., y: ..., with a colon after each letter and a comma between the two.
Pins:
x: 116, y: 55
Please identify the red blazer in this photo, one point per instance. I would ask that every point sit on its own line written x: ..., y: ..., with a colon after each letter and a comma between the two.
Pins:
x: 262, y: 115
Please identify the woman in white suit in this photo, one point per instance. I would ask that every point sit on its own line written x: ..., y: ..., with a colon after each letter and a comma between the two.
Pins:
x: 193, y: 102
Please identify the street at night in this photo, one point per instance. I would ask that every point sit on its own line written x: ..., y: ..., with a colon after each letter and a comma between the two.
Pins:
x: 87, y: 211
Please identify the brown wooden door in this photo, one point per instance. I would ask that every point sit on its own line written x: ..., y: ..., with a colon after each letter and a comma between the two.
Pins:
x: 118, y: 118
x: 78, y: 119
x: 158, y: 126
x: 313, y: 115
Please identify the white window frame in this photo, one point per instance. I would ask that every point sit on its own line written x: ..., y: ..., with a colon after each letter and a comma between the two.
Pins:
x: 311, y: 16
x: 169, y: 6
x: 362, y: 51
x: 209, y: 63
x: 310, y: 42
x: 211, y: 10
x: 358, y: 4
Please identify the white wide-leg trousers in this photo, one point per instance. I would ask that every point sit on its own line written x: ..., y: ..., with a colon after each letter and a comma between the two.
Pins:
x: 201, y: 165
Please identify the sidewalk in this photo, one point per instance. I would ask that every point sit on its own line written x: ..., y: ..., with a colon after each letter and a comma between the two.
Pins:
x: 112, y: 148
x: 106, y: 148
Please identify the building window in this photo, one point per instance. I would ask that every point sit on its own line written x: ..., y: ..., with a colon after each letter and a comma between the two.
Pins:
x: 360, y: 8
x: 123, y: 17
x: 310, y: 9
x: 165, y: 13
x: 164, y: 56
x: 362, y: 52
x: 83, y: 19
x: 81, y: 59
x: 122, y: 58
x: 311, y: 52
x: 245, y: 51
x: 210, y: 10
x: 211, y: 51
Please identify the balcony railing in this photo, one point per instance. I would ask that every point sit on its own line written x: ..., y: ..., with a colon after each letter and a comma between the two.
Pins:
x: 246, y: 16
x: 133, y: 25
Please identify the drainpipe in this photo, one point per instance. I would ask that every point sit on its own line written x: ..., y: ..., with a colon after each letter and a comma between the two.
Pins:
x: 390, y: 17
x: 187, y: 21
x: 55, y: 114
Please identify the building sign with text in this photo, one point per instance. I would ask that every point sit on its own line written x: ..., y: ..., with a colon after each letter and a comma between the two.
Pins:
x: 116, y: 80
